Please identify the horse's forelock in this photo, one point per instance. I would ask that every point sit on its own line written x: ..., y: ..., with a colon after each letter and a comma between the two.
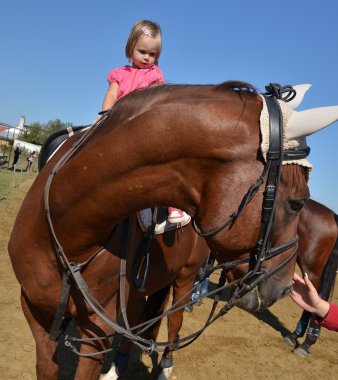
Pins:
x: 294, y: 176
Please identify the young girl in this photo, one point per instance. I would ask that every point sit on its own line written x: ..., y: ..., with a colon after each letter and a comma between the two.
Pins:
x: 143, y: 50
x: 305, y: 295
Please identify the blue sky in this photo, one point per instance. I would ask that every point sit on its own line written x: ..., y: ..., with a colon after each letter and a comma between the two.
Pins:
x: 55, y: 57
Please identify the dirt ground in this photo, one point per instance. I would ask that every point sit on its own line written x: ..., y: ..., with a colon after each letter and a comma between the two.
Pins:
x: 237, y: 346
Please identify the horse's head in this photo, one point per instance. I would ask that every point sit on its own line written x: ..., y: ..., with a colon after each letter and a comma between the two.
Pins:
x: 259, y: 281
x: 273, y: 280
x: 268, y: 275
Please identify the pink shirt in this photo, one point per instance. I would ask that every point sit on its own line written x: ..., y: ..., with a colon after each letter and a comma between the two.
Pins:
x: 130, y: 79
x: 331, y: 320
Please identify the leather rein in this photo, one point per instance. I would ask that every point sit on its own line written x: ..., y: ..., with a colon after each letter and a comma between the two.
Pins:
x: 72, y: 272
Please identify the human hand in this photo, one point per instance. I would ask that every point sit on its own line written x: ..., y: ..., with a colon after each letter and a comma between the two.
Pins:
x: 306, y: 296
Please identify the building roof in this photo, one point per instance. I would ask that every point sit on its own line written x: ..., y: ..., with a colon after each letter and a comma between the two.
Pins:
x: 8, y: 134
x: 4, y: 125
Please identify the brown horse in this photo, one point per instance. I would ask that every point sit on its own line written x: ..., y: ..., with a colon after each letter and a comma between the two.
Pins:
x: 195, y: 147
x: 317, y: 256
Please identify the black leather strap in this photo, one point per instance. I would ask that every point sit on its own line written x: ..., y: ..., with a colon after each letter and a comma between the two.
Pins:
x: 296, y: 154
x: 274, y: 161
x: 58, y: 322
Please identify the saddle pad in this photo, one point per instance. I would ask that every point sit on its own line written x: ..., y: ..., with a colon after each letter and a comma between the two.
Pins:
x: 287, y: 144
x: 145, y: 218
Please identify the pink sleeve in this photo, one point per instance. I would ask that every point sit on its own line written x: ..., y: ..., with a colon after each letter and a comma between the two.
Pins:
x: 159, y: 76
x: 114, y: 76
x: 330, y: 322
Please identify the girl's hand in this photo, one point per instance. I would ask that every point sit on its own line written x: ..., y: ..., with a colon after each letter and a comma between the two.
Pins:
x: 306, y: 296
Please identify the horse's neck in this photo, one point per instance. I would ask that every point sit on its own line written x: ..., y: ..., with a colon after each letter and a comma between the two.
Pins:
x: 121, y: 173
x: 154, y: 159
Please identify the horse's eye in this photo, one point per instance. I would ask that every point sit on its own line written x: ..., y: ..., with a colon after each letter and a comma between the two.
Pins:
x: 296, y: 205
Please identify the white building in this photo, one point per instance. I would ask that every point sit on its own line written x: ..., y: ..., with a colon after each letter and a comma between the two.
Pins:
x: 9, y: 139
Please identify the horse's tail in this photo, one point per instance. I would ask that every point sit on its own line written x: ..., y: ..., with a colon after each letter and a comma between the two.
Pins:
x: 329, y: 273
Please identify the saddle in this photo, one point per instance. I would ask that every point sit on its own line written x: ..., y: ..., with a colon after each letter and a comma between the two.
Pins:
x: 153, y: 221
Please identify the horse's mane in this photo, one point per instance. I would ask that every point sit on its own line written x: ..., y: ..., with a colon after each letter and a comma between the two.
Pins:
x: 138, y: 101
x: 234, y: 85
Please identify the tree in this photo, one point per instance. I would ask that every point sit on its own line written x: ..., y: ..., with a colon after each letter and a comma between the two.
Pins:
x: 55, y: 125
x: 38, y: 133
x: 34, y: 134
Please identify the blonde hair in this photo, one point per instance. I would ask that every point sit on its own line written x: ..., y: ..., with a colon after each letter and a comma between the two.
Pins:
x: 141, y: 28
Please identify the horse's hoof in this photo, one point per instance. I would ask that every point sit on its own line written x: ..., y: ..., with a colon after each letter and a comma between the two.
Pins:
x: 188, y: 308
x: 165, y: 373
x: 111, y: 375
x: 289, y: 342
x: 301, y: 352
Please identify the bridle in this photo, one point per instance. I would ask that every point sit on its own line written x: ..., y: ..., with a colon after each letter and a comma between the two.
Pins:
x: 271, y: 173
x: 264, y: 251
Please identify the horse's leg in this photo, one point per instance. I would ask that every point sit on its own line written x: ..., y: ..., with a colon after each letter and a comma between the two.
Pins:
x: 303, y: 350
x: 155, y: 307
x: 40, y: 324
x: 326, y: 285
x: 89, y: 367
x: 327, y: 281
x: 202, y: 287
x: 181, y: 287
x: 135, y: 313
x: 323, y: 280
x: 92, y: 326
x: 291, y: 340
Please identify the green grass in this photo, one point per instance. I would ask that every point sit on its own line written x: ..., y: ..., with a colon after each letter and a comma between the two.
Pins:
x: 10, y: 180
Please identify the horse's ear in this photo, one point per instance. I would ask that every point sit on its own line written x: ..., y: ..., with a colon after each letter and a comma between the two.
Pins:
x: 300, y: 92
x: 304, y: 123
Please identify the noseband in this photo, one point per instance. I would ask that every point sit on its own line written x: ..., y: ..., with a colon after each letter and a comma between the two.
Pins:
x: 271, y: 173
